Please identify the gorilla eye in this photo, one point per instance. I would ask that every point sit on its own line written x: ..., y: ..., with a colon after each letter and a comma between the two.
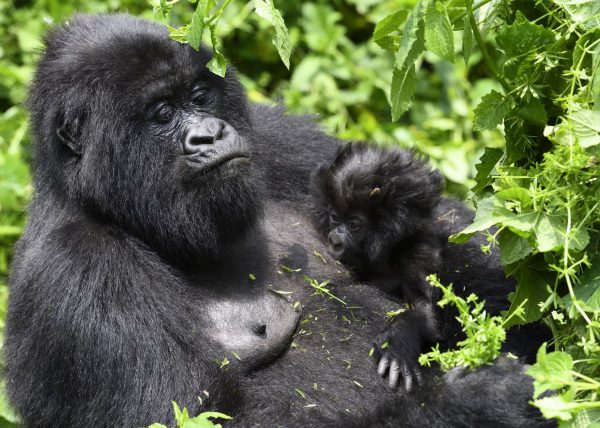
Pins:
x: 200, y: 96
x: 355, y: 225
x: 163, y: 113
x: 333, y: 218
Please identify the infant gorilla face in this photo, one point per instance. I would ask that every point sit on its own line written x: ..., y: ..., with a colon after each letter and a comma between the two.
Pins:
x: 346, y: 237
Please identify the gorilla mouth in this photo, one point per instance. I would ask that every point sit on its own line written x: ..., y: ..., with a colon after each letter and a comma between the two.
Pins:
x: 204, y: 165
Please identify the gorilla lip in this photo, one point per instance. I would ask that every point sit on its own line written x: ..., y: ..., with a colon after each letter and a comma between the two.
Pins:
x: 218, y: 162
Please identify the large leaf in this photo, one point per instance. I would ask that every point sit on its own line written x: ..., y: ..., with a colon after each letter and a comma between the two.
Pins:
x: 266, y: 9
x: 404, y: 77
x: 439, y: 37
x: 390, y: 24
x: 491, y: 111
x: 585, y: 125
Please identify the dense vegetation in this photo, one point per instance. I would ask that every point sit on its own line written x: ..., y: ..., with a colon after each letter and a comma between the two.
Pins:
x: 503, y: 96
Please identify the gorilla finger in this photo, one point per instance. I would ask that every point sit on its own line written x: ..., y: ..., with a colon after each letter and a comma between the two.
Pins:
x: 384, y: 363
x: 408, y: 379
x: 419, y: 376
x: 394, y: 374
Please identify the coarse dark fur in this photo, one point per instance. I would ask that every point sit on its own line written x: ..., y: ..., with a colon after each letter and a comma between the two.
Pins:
x: 380, y: 211
x: 158, y: 191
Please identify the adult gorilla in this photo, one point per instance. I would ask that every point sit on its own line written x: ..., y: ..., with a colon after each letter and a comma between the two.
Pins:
x: 131, y: 284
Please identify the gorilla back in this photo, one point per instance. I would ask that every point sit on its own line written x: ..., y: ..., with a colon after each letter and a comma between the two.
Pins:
x: 131, y: 284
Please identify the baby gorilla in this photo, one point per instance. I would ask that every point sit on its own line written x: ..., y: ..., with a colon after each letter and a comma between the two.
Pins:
x: 376, y: 207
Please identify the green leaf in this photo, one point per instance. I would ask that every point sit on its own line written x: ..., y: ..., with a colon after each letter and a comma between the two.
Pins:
x: 484, y: 168
x: 551, y: 371
x: 555, y: 407
x: 484, y: 219
x: 532, y: 288
x: 439, y: 37
x: 549, y: 233
x: 404, y: 77
x: 585, y: 125
x: 513, y: 247
x: 181, y: 416
x: 521, y: 41
x: 584, y: 12
x: 218, y: 63
x: 266, y: 10
x: 203, y: 420
x: 157, y: 426
x: 196, y: 27
x: 404, y: 84
x: 390, y: 24
x: 533, y: 111
x: 491, y: 111
x: 588, y: 289
x: 519, y: 194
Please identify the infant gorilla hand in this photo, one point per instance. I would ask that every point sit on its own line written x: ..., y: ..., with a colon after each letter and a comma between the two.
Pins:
x: 397, y: 351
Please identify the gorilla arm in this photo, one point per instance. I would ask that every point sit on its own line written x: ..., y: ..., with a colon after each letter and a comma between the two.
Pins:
x: 108, y: 303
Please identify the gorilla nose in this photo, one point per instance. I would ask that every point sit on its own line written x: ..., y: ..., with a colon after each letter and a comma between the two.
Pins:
x: 336, y: 244
x: 202, y: 136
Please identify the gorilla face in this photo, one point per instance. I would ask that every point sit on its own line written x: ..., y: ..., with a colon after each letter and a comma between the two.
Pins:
x: 158, y: 150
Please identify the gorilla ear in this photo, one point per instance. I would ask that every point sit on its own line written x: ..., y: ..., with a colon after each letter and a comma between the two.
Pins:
x: 69, y: 132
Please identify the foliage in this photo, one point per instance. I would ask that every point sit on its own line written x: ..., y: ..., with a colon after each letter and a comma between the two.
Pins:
x: 207, y: 14
x: 542, y: 190
x: 484, y: 333
x: 520, y: 77
x: 203, y: 420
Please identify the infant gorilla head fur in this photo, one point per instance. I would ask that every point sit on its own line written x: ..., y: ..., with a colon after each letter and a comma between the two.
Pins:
x: 145, y: 150
x: 370, y: 200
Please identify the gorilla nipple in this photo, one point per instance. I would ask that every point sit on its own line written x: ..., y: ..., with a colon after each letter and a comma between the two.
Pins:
x: 259, y: 329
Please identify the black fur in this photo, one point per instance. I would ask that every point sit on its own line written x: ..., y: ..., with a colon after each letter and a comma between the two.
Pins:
x: 380, y: 209
x: 131, y: 284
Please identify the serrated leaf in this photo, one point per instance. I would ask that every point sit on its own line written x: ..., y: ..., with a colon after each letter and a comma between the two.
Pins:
x: 390, y: 24
x: 404, y: 77
x: 551, y: 371
x: 484, y: 168
x: 203, y: 420
x: 513, y: 247
x: 491, y: 111
x: 584, y: 12
x: 404, y: 84
x: 218, y: 63
x: 439, y: 37
x: 585, y: 125
x: 196, y: 27
x: 267, y: 10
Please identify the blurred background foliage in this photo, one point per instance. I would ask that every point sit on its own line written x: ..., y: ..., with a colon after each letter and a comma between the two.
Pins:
x: 337, y: 72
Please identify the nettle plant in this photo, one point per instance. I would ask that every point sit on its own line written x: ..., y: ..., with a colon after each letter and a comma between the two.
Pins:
x: 541, y: 194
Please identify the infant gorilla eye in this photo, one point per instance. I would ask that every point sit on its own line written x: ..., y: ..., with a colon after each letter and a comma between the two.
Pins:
x: 355, y: 224
x: 162, y: 113
x: 333, y: 218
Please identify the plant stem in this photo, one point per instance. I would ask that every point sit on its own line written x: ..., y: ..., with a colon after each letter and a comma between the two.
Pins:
x: 489, y: 62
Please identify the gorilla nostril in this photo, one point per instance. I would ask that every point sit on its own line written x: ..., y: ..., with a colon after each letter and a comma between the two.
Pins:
x: 259, y: 329
x: 195, y: 143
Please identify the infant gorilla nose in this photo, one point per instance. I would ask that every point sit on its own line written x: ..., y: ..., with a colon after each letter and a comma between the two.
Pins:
x: 336, y: 244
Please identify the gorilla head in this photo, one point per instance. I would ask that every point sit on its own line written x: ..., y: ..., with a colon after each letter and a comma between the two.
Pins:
x: 144, y: 151
x: 371, y: 199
